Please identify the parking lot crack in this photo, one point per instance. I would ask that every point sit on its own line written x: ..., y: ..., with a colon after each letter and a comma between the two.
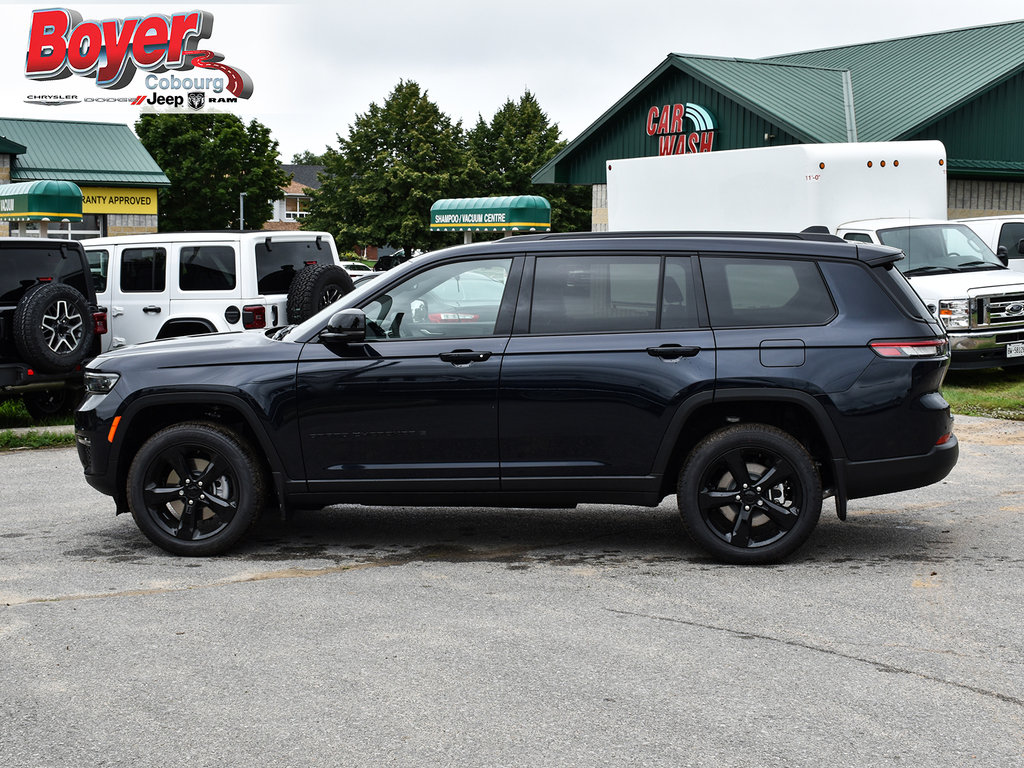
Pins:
x: 881, y: 666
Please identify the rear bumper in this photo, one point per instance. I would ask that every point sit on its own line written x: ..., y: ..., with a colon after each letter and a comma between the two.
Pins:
x: 872, y: 478
x: 18, y: 377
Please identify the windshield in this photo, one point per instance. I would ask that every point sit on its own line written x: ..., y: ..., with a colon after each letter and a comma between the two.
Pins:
x: 939, y: 248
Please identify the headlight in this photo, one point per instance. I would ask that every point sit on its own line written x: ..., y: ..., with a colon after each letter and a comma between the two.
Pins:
x: 955, y: 313
x: 97, y: 383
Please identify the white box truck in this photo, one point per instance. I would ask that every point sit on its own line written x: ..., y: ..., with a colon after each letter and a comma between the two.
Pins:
x: 892, y: 193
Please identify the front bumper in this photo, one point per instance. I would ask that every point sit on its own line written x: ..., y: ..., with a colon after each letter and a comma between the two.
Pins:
x: 983, y: 349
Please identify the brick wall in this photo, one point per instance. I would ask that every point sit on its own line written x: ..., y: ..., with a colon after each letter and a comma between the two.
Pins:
x: 130, y: 224
x: 971, y: 197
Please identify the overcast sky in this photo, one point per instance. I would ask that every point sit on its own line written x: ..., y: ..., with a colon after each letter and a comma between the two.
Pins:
x: 316, y: 65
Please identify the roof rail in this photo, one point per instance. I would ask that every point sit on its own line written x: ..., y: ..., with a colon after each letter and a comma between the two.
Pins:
x: 818, y: 234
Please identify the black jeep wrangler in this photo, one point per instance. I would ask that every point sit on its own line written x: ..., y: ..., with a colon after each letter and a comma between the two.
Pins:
x: 49, y: 323
x: 749, y: 375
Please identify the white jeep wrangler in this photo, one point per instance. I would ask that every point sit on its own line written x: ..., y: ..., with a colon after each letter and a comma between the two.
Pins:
x: 180, y: 284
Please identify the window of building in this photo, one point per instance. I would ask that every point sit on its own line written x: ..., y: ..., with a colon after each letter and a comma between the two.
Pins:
x: 296, y: 207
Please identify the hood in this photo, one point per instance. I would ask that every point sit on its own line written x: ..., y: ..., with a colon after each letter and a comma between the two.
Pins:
x: 962, y: 285
x: 190, y: 351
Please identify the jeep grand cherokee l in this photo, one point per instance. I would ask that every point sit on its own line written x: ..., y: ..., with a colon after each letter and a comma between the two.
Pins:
x: 749, y: 375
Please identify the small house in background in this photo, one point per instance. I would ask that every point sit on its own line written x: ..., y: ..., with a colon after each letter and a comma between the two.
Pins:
x: 294, y: 206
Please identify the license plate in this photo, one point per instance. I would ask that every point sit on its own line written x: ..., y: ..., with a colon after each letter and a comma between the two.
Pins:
x: 1015, y: 350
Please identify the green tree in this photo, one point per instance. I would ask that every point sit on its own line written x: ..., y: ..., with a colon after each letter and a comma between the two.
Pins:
x: 397, y: 160
x: 515, y: 144
x: 307, y: 158
x: 210, y: 159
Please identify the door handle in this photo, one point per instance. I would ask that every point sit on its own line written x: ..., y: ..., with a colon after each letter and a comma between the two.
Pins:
x: 152, y: 309
x: 464, y: 356
x: 672, y: 351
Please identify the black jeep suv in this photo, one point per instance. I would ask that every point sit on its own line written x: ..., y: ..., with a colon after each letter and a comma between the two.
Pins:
x: 49, y: 323
x: 751, y: 375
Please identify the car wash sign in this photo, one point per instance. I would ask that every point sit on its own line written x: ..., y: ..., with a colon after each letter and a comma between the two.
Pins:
x: 681, y: 128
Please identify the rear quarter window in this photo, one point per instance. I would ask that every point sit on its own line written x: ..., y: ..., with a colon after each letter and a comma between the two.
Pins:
x: 748, y: 292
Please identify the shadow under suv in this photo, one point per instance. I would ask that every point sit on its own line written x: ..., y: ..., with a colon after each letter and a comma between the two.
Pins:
x: 751, y: 375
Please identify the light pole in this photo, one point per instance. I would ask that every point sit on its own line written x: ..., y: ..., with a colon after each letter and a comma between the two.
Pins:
x: 241, y: 211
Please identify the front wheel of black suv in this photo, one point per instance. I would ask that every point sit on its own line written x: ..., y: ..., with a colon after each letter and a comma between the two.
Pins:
x: 195, y: 488
x: 749, y: 494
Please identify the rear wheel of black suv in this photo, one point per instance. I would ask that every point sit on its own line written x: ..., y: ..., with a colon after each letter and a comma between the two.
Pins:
x: 749, y: 494
x: 195, y: 488
x: 53, y: 327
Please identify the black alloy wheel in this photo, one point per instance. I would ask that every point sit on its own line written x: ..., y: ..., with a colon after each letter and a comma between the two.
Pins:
x: 195, y: 488
x: 750, y: 493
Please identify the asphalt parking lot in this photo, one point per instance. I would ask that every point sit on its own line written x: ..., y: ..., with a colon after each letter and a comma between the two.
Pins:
x: 600, y: 636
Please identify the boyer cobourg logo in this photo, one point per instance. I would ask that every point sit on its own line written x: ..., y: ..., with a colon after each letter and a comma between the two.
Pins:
x: 114, y: 51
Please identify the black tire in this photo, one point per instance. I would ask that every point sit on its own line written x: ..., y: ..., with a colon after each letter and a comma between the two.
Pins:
x: 53, y: 328
x: 44, y: 404
x: 314, y: 288
x: 749, y: 494
x: 169, y: 488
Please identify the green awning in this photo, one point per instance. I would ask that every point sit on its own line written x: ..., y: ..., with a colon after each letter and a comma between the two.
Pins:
x: 523, y: 213
x: 40, y: 201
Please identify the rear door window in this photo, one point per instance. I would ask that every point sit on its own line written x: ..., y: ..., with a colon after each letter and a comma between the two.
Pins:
x: 207, y: 268
x: 587, y: 294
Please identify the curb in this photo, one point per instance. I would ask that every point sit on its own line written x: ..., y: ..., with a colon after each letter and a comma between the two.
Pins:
x: 59, y: 429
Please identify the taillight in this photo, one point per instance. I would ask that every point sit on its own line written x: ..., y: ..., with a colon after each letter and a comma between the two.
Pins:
x: 254, y: 316
x: 929, y: 348
x: 99, y: 322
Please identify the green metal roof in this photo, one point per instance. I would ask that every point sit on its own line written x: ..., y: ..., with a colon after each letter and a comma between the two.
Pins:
x: 881, y: 91
x: 778, y: 92
x: 8, y: 147
x: 491, y: 214
x: 40, y: 200
x: 85, y: 153
x: 903, y: 84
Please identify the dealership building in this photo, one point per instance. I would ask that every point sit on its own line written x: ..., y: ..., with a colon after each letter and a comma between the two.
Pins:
x: 964, y: 87
x: 77, y: 180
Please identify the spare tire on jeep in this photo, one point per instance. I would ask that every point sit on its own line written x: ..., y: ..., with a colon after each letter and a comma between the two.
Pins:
x: 53, y: 327
x: 314, y: 288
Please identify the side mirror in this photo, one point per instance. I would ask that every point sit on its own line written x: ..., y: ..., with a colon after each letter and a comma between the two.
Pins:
x: 1004, y: 255
x: 345, y: 327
